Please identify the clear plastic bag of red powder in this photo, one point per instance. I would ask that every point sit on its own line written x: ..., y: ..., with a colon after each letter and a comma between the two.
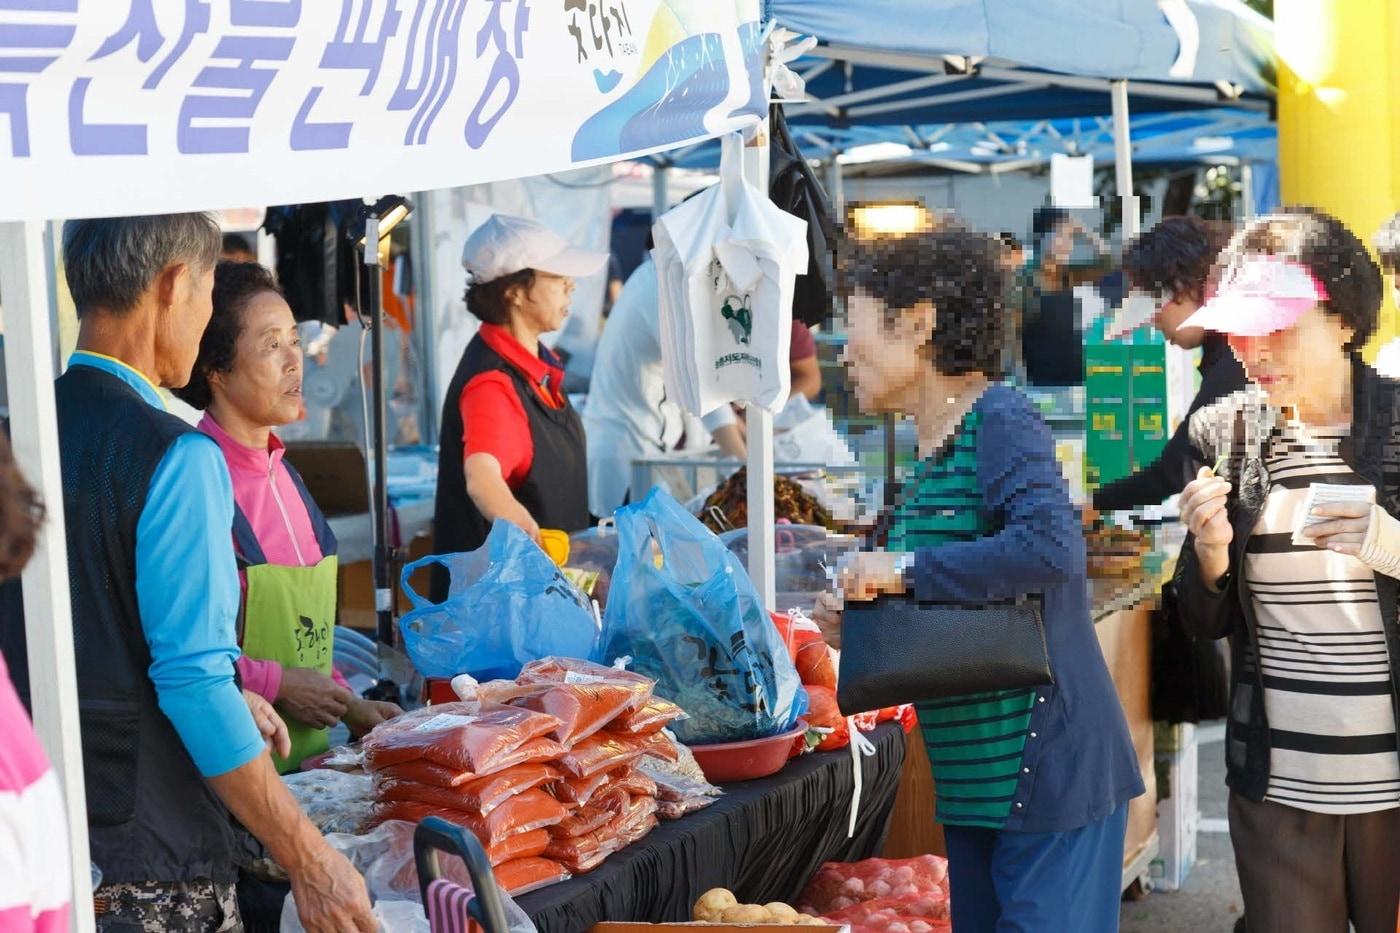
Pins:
x: 598, y: 753
x: 660, y: 745
x: 584, y: 853
x: 653, y: 716
x: 582, y: 708
x: 618, y: 795
x: 580, y: 791
x: 575, y: 670
x: 517, y: 846
x: 480, y: 742
x: 482, y: 795
x: 581, y: 822
x: 524, y: 875
x: 675, y: 809
x: 525, y: 813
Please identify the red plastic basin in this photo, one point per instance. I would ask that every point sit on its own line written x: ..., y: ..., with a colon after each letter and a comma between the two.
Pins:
x: 730, y: 762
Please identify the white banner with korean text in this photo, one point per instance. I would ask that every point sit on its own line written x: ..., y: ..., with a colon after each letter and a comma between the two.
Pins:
x: 111, y: 107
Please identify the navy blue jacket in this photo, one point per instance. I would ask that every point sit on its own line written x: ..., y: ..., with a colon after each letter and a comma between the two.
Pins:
x: 1079, y: 764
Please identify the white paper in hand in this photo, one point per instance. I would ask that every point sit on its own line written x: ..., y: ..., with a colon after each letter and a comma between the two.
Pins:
x: 1320, y: 494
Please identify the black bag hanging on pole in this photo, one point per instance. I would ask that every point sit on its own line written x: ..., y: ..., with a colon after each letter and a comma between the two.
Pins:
x: 794, y: 187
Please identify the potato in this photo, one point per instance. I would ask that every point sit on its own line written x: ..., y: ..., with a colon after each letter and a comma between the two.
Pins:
x: 782, y: 913
x: 713, y: 903
x: 744, y: 913
x: 811, y: 922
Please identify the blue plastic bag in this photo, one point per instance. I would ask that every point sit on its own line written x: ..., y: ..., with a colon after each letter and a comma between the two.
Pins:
x: 507, y: 604
x: 697, y: 627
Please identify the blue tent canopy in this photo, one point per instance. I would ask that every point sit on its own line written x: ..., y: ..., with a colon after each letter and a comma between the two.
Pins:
x: 1190, y: 41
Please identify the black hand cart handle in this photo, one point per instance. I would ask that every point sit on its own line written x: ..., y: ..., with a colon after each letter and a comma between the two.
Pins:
x: 435, y: 835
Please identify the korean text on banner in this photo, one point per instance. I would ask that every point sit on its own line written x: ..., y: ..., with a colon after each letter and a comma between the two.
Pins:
x: 112, y: 107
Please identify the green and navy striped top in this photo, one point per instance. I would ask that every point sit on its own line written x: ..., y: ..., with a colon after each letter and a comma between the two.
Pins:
x: 974, y: 742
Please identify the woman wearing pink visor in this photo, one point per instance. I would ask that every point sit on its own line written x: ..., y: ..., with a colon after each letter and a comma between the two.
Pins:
x: 1294, y: 554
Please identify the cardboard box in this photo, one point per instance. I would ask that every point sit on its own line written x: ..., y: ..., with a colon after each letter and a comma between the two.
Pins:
x: 1178, y: 806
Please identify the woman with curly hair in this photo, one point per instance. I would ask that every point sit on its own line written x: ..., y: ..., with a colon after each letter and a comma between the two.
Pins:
x: 1032, y: 784
x: 33, y: 861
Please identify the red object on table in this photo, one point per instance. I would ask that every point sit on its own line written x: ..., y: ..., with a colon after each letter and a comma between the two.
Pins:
x: 729, y: 762
x: 439, y: 691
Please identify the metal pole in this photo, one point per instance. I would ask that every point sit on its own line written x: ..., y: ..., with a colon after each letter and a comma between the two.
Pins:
x: 48, y: 612
x: 1123, y: 160
x: 383, y: 594
x: 1248, y: 207
x: 425, y: 314
x: 660, y: 192
x: 762, y: 532
x: 836, y: 179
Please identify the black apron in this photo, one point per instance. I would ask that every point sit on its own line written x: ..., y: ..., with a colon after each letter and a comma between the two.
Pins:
x: 555, y: 492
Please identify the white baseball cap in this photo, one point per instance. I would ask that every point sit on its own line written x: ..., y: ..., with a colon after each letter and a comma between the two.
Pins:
x: 505, y: 245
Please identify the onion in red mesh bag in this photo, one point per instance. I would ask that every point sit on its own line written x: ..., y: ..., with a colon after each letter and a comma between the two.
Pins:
x: 581, y: 708
x: 601, y: 752
x: 480, y: 742
x: 855, y: 882
x: 524, y: 875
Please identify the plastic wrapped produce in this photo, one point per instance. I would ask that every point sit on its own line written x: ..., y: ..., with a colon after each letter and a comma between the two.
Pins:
x: 579, y: 791
x: 677, y: 796
x: 334, y: 802
x: 655, y: 715
x: 480, y: 742
x: 524, y: 875
x: 602, y: 752
x: 576, y: 670
x: 581, y: 822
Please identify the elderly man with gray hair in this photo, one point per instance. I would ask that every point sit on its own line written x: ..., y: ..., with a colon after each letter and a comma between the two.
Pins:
x: 171, y: 746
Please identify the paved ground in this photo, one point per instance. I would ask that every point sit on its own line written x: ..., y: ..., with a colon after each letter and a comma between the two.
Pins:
x: 1210, y: 901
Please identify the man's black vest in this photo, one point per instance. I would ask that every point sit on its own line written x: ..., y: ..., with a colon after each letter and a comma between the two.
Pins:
x: 555, y: 492
x: 151, y: 816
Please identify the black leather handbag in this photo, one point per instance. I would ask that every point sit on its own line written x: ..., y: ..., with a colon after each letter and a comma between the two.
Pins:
x: 898, y: 650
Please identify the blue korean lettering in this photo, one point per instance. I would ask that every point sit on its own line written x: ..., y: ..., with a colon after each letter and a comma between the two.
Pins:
x: 245, y: 51
x: 429, y: 67
x: 346, y: 52
x: 140, y: 27
x: 505, y: 70
x: 27, y: 48
x: 196, y: 23
x: 279, y: 14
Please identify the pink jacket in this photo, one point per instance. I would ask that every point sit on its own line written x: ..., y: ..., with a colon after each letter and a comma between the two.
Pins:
x: 269, y: 499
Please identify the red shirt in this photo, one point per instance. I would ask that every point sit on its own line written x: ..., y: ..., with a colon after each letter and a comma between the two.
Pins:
x: 493, y: 416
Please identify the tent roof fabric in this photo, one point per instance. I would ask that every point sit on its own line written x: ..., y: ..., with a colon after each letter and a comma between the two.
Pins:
x: 1191, y: 41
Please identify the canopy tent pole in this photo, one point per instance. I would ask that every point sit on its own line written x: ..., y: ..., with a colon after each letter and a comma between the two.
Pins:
x: 660, y: 192
x: 762, y: 531
x: 48, y: 610
x: 836, y: 180
x: 1248, y: 207
x: 1123, y: 161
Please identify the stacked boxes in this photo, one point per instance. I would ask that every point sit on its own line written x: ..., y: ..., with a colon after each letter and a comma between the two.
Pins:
x: 1125, y: 388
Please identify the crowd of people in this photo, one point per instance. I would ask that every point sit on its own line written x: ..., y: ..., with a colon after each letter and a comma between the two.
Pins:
x: 203, y: 574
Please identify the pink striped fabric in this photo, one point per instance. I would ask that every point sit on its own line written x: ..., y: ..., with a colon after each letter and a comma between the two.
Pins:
x: 34, y: 864
x: 447, y: 907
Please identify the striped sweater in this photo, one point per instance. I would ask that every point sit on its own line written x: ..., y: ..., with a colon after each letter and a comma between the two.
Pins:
x: 34, y: 864
x: 974, y: 742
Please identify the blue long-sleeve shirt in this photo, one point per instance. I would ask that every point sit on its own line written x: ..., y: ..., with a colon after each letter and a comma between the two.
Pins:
x: 187, y: 591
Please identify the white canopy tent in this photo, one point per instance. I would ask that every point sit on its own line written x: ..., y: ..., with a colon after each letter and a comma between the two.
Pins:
x: 264, y: 103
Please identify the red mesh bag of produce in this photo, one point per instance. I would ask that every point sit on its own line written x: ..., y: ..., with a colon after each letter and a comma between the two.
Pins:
x: 480, y: 741
x: 523, y: 875
x: 530, y: 811
x: 581, y: 708
x: 602, y: 752
x: 656, y: 714
x: 481, y: 795
x: 928, y: 914
x: 580, y: 791
x: 581, y: 822
x: 825, y: 713
x: 841, y: 885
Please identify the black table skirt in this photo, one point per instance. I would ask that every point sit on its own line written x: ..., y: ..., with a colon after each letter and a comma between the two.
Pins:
x: 763, y: 840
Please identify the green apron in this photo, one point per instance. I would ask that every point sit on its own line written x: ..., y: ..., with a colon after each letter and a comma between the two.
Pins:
x: 289, y: 617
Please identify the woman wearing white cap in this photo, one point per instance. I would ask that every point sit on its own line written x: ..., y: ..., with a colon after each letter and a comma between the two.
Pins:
x: 1294, y: 554
x: 512, y: 447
